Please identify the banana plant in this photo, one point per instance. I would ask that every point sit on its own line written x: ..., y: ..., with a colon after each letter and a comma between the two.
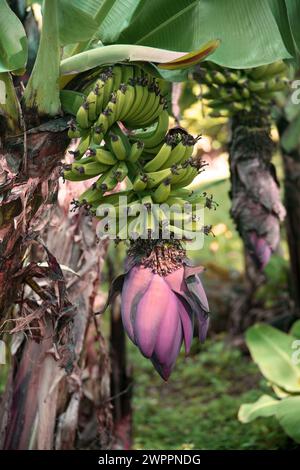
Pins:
x: 288, y: 123
x: 245, y: 98
x: 277, y: 356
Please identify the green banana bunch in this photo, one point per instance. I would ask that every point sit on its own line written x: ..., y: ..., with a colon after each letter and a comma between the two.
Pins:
x: 232, y: 91
x: 121, y: 119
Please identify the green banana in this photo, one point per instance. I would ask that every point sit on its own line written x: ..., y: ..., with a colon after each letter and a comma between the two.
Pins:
x: 97, y: 134
x: 99, y: 92
x: 140, y: 182
x: 90, y: 169
x: 92, y: 195
x: 159, y: 132
x: 232, y: 77
x: 136, y: 151
x: 108, y: 87
x: 74, y: 131
x: 82, y: 116
x: 188, y: 150
x: 153, y: 104
x: 91, y: 100
x: 219, y: 78
x: 189, y: 177
x: 161, y: 107
x: 135, y: 120
x: 117, y: 76
x: 74, y: 175
x: 139, y: 91
x: 118, y: 146
x: 147, y: 103
x: 102, y: 122
x: 127, y: 73
x: 256, y: 86
x: 121, y: 171
x: 176, y: 156
x: 178, y: 174
x: 276, y: 84
x: 109, y: 180
x: 160, y: 159
x: 120, y: 97
x: 128, y: 101
x: 156, y: 177
x: 162, y: 192
x: 111, y: 109
x: 258, y: 72
x: 103, y: 156
x: 83, y: 144
x: 180, y: 233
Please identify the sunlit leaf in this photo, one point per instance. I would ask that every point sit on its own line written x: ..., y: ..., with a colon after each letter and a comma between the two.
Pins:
x: 288, y: 413
x: 75, y: 24
x: 113, y: 17
x: 248, y: 31
x: 295, y: 330
x: 265, y: 406
x: 272, y: 350
x: 293, y: 12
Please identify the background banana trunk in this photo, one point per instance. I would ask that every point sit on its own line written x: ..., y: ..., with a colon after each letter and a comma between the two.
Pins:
x: 291, y: 163
x: 256, y: 206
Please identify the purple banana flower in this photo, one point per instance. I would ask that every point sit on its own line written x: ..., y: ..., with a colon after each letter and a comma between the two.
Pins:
x: 260, y: 250
x: 158, y: 312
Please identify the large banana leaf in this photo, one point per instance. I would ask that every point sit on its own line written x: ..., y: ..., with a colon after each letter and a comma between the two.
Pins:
x: 295, y: 330
x: 280, y: 12
x: 75, y: 24
x: 248, y: 31
x: 287, y: 411
x: 13, y: 42
x: 251, y: 33
x: 288, y: 415
x: 113, y: 17
x: 293, y: 13
x: 272, y: 350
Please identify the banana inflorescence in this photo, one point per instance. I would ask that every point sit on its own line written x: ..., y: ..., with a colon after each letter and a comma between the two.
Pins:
x: 230, y: 91
x: 123, y: 126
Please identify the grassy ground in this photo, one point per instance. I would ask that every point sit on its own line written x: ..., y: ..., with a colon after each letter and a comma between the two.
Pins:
x: 197, y: 408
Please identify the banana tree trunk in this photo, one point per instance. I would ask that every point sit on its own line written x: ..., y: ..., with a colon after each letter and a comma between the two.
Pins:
x: 256, y: 206
x: 59, y: 380
x: 291, y: 163
x: 28, y: 183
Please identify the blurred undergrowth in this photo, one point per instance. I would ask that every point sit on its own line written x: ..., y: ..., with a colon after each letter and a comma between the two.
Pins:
x: 198, y: 408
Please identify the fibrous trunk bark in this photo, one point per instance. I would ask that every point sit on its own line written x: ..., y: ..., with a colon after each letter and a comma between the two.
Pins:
x: 291, y: 164
x: 256, y: 206
x: 58, y: 390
